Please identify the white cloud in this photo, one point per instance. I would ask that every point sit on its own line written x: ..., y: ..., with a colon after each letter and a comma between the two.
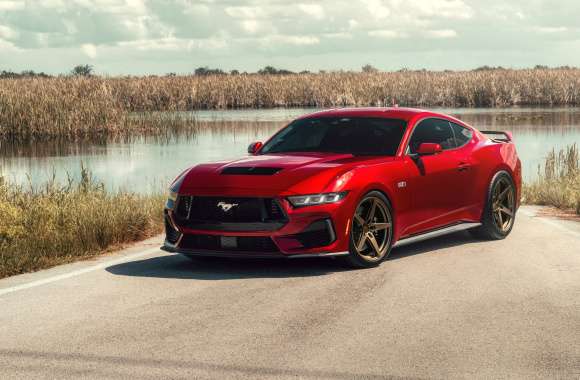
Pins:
x: 377, y: 9
x: 250, y: 26
x: 385, y: 33
x: 443, y: 33
x: 90, y: 50
x: 7, y: 32
x: 311, y: 34
x: 548, y: 29
x: 449, y: 9
x: 338, y: 35
x: 290, y: 40
x: 7, y: 45
x: 51, y: 3
x: 6, y: 5
x: 176, y: 44
x: 245, y: 12
x: 315, y: 11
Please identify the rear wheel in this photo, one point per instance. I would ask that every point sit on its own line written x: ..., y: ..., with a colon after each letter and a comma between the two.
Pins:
x: 371, y: 232
x: 500, y: 209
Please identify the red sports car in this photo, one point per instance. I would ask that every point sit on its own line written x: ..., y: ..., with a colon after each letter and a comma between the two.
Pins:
x: 352, y: 183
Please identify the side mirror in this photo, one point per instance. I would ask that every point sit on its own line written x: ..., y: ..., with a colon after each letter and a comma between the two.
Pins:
x: 254, y: 147
x: 426, y: 149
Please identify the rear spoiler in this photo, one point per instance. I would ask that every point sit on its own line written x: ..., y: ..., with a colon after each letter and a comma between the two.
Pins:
x: 499, y: 136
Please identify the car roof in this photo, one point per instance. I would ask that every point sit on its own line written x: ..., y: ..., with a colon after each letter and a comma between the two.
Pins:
x: 381, y: 112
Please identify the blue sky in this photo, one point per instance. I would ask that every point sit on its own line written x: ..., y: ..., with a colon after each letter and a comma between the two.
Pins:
x: 139, y: 36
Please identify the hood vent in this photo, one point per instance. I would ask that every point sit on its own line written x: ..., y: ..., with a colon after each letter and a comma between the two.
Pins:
x: 252, y: 170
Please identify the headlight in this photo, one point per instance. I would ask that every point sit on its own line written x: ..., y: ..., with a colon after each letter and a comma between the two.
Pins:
x: 174, y: 190
x: 316, y: 199
x: 171, y: 198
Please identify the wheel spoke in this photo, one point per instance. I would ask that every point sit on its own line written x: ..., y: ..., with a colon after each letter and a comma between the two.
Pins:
x: 506, y: 211
x: 379, y: 226
x: 503, y: 194
x: 372, y: 211
x: 374, y: 244
x: 359, y: 219
x: 500, y: 218
x: 361, y: 242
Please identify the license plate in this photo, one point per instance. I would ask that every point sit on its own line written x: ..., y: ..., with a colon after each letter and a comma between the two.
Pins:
x: 229, y: 241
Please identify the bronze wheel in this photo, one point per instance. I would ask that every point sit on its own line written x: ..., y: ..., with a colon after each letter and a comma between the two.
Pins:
x: 500, y: 209
x: 372, y: 227
x: 503, y: 204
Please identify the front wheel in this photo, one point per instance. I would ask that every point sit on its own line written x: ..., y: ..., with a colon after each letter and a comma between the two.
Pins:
x: 371, y: 231
x: 500, y: 208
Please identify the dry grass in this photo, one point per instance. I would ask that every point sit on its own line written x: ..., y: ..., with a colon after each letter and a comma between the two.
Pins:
x: 492, y: 88
x: 74, y: 107
x: 558, y: 182
x: 58, y: 224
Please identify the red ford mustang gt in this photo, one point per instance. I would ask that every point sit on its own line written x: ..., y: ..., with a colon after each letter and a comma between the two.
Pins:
x: 352, y: 183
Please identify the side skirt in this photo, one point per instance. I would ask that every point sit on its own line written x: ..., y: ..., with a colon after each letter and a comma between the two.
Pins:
x: 435, y: 233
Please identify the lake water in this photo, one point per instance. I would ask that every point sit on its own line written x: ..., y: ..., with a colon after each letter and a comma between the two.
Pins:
x: 149, y: 163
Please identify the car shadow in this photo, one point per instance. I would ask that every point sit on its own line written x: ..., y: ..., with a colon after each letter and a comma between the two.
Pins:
x: 447, y: 241
x: 212, y: 269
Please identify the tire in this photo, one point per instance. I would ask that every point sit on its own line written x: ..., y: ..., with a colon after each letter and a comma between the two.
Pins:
x: 371, y: 232
x: 499, y: 214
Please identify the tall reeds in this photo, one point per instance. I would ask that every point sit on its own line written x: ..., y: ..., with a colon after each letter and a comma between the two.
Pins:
x: 54, y: 224
x: 558, y: 182
x: 74, y: 107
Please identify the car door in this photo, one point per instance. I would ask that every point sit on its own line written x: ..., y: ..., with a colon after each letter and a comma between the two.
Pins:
x: 434, y: 180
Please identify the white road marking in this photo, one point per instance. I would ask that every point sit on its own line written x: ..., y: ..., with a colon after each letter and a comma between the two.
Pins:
x: 79, y: 272
x: 551, y: 222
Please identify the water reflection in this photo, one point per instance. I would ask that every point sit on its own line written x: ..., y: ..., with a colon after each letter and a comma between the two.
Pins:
x: 148, y: 163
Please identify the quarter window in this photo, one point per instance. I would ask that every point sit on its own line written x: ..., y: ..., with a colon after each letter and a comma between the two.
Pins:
x: 462, y: 135
x: 436, y: 131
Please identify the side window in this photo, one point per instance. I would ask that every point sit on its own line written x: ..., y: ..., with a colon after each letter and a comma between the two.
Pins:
x: 432, y: 131
x: 462, y: 135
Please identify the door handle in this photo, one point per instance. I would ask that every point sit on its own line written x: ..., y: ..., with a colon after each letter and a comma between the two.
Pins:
x: 463, y: 166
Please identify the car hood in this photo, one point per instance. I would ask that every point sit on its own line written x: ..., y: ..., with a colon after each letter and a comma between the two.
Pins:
x: 264, y: 174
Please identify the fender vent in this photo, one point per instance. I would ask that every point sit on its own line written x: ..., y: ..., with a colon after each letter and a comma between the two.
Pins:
x: 251, y: 170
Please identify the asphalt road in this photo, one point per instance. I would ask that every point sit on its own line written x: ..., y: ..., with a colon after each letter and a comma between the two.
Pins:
x: 449, y: 308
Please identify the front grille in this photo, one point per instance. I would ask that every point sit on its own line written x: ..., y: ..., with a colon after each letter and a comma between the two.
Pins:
x: 171, y: 234
x: 229, y: 213
x: 260, y: 244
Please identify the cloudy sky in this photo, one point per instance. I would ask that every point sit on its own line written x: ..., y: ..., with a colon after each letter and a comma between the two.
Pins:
x: 156, y: 36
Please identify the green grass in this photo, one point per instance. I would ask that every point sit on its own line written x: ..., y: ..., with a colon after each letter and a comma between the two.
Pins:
x: 558, y: 182
x: 58, y: 224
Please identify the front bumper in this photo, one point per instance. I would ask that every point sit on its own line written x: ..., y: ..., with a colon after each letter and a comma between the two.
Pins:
x: 230, y: 254
x: 314, y: 231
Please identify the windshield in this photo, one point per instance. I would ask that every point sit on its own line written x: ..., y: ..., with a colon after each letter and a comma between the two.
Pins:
x: 357, y: 136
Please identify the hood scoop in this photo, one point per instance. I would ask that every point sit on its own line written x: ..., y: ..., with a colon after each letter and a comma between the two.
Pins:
x: 250, y: 170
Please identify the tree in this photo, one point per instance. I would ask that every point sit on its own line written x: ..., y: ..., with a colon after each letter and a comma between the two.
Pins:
x: 207, y: 71
x: 22, y: 74
x: 83, y: 70
x: 369, y: 69
x: 271, y: 70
